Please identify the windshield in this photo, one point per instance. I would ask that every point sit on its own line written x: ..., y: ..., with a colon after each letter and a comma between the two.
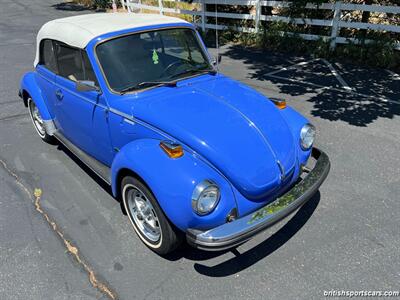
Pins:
x: 134, y: 61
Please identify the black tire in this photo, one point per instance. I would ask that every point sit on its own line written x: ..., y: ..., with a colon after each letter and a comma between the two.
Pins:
x: 41, y: 130
x: 169, y: 238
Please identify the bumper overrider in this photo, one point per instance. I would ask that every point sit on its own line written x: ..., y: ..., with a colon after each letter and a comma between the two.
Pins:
x: 234, y: 233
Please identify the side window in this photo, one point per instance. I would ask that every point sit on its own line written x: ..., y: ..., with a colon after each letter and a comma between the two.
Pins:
x: 47, y: 57
x: 69, y: 62
x: 87, y: 68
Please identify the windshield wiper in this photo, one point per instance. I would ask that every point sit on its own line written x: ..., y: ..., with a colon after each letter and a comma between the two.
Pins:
x: 164, y: 83
x: 172, y: 83
x: 211, y: 71
x: 194, y: 71
x: 148, y: 83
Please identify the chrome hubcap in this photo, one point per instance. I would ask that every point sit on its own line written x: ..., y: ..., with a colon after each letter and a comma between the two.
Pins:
x: 37, y: 119
x: 143, y: 214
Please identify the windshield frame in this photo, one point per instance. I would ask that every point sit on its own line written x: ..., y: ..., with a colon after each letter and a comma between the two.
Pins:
x: 196, y: 34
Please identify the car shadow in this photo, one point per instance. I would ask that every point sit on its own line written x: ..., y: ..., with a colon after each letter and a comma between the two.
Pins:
x: 91, y: 173
x: 70, y: 6
x: 242, y: 261
x: 329, y: 101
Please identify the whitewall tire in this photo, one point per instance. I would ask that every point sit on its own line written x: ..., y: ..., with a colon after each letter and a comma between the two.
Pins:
x: 147, y: 217
x: 38, y: 122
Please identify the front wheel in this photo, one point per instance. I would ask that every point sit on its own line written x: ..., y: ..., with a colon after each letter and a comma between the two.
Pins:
x: 147, y: 218
x: 38, y: 122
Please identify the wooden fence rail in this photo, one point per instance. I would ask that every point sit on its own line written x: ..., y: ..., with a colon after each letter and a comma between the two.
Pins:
x: 335, y: 23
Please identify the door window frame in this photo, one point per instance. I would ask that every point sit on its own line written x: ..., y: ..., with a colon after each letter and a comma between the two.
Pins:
x: 81, y: 51
x: 41, y: 56
x: 55, y: 44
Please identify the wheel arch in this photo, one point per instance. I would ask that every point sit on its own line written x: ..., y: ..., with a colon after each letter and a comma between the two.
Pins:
x: 121, y: 174
x: 31, y: 89
x: 171, y: 181
x: 25, y: 96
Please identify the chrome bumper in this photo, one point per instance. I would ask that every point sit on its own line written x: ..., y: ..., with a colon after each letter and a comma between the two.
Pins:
x: 234, y: 233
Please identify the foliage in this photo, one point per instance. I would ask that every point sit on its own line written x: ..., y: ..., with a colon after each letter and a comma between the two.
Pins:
x: 278, y: 37
x: 96, y: 4
x: 379, y: 53
x: 102, y: 3
x: 297, y: 8
x: 285, y: 37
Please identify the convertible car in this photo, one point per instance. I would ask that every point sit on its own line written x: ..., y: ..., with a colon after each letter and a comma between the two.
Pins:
x: 191, y: 153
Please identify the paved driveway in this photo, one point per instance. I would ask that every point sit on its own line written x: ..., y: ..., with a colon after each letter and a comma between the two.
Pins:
x: 346, y: 237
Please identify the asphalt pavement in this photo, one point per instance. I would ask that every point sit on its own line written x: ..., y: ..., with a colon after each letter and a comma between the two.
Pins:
x: 76, y: 243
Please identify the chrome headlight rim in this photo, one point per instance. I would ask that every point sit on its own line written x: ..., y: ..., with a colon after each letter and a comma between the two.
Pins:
x: 307, y: 131
x: 199, y: 190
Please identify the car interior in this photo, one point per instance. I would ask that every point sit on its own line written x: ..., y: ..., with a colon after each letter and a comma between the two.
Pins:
x: 143, y: 57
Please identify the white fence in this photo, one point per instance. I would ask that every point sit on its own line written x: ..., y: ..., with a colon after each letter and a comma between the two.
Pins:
x: 336, y: 23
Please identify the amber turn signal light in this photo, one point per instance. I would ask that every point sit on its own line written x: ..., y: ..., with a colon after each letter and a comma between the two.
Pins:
x: 172, y: 150
x: 281, y: 104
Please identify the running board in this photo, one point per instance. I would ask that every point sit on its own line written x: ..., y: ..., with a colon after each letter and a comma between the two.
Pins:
x: 97, y: 167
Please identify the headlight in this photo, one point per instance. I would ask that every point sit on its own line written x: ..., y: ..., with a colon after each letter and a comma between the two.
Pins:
x: 205, y: 197
x: 307, y: 136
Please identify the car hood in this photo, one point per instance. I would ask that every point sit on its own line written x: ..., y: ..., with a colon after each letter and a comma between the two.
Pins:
x: 231, y: 125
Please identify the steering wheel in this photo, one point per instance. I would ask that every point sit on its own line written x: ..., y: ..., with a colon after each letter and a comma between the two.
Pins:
x: 173, y: 64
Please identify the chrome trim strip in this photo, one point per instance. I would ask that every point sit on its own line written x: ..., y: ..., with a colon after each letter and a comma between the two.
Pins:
x: 49, y: 127
x: 129, y: 121
x: 121, y: 114
x: 281, y: 168
x: 231, y: 234
x: 170, y: 138
x: 140, y: 122
x: 74, y: 93
x: 57, y: 85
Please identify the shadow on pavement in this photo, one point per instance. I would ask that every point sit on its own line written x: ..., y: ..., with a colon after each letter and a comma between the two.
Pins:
x: 333, y: 105
x: 330, y: 104
x: 242, y: 261
x: 91, y: 173
x: 70, y: 6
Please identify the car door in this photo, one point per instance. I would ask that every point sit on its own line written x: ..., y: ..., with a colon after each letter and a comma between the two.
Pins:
x: 46, y: 70
x: 81, y: 116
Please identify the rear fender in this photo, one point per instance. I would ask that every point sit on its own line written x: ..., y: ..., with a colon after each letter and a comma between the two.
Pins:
x: 172, y: 182
x: 30, y: 87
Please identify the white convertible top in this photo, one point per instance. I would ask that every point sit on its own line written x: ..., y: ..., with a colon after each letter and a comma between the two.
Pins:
x: 78, y: 31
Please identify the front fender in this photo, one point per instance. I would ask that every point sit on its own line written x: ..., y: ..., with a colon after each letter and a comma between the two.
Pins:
x: 172, y: 182
x: 30, y: 86
x: 296, y: 121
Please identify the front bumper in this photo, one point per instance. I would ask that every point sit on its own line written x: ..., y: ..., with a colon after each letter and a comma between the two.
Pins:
x: 234, y: 233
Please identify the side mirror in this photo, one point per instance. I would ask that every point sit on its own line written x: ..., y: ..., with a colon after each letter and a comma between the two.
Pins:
x: 86, y: 86
x: 217, y: 60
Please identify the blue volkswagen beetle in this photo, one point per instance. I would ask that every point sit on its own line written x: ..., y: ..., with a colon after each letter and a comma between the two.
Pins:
x: 190, y: 152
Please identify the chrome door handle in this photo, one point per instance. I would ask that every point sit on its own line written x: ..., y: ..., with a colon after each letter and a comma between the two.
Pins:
x: 59, y: 95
